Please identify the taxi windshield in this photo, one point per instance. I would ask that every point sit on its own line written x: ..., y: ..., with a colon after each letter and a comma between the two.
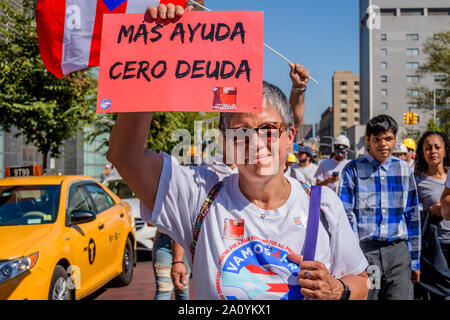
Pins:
x: 28, y: 205
x: 121, y: 189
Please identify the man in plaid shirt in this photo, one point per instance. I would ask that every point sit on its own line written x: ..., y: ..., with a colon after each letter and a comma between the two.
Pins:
x: 380, y: 197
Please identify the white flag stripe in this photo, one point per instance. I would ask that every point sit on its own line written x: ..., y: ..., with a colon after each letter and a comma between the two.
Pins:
x: 139, y: 6
x: 78, y: 28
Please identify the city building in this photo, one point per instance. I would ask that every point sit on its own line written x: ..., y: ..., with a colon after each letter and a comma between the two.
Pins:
x: 392, y: 35
x: 346, y: 101
x: 326, y: 131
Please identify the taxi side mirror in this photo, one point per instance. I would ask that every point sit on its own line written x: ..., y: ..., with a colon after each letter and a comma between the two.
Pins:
x: 82, y: 216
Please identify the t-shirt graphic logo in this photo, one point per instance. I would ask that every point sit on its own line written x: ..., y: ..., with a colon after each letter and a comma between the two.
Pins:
x: 233, y: 229
x: 257, y: 271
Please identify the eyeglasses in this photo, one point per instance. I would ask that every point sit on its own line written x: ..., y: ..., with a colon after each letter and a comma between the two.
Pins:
x: 269, y: 131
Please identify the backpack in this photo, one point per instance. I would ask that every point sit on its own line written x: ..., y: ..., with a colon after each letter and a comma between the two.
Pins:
x: 314, y: 194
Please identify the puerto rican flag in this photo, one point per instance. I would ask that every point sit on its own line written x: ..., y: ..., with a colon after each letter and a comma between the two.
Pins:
x: 255, y: 282
x: 69, y: 31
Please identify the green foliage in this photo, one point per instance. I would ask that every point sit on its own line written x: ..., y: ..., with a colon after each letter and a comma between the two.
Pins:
x: 437, y: 49
x: 46, y: 110
x: 162, y: 127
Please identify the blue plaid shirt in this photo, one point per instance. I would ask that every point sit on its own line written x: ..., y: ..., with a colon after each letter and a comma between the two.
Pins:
x: 381, y: 202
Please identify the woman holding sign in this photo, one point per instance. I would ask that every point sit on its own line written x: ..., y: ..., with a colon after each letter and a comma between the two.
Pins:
x: 243, y: 236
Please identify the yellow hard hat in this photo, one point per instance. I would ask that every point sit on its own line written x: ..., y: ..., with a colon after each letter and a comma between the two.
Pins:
x: 410, y: 144
x: 192, y: 151
x: 292, y: 158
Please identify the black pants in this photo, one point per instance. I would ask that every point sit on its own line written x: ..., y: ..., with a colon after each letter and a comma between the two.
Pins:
x: 420, y: 293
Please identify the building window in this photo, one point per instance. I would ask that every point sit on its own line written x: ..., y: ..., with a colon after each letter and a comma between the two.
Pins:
x: 343, y: 102
x: 343, y: 119
x: 412, y: 105
x: 356, y: 119
x: 344, y: 92
x: 383, y: 52
x: 384, y: 92
x: 388, y: 12
x: 413, y: 92
x: 383, y: 78
x: 440, y: 78
x: 383, y: 37
x: 343, y: 83
x: 356, y: 83
x: 343, y: 128
x: 412, y: 79
x: 438, y: 11
x: 412, y: 36
x: 411, y: 11
x: 384, y: 106
x: 383, y: 65
x: 343, y: 110
x: 356, y: 110
x: 356, y: 93
x: 412, y: 65
x: 412, y: 52
x: 356, y: 102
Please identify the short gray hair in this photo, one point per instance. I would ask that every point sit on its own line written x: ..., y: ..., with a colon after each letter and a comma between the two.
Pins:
x: 273, y: 96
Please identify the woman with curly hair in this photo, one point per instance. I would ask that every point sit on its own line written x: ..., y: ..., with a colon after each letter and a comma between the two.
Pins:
x: 431, y: 165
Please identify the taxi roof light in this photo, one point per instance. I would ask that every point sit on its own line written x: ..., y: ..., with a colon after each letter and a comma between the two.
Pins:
x: 23, y: 171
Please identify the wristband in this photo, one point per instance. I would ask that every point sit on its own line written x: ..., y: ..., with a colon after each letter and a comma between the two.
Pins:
x: 175, y: 262
x: 299, y: 90
x: 346, y: 293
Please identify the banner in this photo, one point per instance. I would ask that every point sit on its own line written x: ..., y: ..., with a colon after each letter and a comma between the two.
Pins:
x: 204, y: 61
x: 69, y: 31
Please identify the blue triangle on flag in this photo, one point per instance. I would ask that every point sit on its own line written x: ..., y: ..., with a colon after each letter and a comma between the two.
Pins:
x: 112, y: 4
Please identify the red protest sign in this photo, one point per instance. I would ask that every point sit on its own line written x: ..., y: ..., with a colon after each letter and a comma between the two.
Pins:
x: 204, y: 61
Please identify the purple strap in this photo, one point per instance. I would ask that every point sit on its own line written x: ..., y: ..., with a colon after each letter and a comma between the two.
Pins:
x: 312, y: 229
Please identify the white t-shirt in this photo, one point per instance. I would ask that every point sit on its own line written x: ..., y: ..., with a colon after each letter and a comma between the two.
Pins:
x: 309, y: 171
x: 295, y: 172
x: 242, y: 250
x: 326, y: 169
x: 220, y: 168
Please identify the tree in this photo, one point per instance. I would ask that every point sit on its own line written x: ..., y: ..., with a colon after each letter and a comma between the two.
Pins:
x: 162, y: 127
x: 44, y: 109
x: 437, y: 49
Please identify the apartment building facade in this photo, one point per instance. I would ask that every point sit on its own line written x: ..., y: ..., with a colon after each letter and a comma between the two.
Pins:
x: 392, y: 35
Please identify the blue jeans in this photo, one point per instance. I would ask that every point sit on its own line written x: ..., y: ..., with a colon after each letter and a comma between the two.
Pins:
x: 162, y: 262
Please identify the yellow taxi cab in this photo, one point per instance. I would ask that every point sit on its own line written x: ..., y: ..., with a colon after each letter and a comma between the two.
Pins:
x: 61, y: 237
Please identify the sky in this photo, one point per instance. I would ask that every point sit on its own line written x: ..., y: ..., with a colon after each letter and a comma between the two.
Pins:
x: 322, y: 35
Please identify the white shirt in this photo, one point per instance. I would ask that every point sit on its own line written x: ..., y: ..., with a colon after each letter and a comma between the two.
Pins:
x: 242, y: 250
x: 220, y: 168
x: 326, y: 169
x: 309, y: 171
x: 295, y: 172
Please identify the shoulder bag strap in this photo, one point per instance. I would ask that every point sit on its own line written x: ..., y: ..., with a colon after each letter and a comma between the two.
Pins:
x: 202, y: 215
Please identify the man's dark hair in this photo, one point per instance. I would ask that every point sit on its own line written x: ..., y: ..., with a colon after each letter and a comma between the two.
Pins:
x: 381, y: 123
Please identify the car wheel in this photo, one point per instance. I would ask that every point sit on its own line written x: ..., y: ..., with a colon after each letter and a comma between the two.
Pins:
x: 125, y: 277
x: 59, y: 285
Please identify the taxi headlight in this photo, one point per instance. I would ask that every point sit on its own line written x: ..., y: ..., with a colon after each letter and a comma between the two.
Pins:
x: 12, y: 268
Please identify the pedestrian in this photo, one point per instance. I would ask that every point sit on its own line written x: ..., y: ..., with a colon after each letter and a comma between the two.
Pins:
x: 380, y: 197
x: 400, y: 151
x: 431, y: 165
x: 411, y: 147
x: 105, y: 173
x: 329, y: 171
x: 306, y: 165
x: 292, y: 170
x: 163, y: 259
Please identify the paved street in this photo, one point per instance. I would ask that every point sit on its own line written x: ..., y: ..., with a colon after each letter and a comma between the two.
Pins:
x: 142, y: 286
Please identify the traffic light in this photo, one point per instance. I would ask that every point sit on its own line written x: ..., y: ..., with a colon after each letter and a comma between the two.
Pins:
x: 407, y: 118
x: 414, y: 118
